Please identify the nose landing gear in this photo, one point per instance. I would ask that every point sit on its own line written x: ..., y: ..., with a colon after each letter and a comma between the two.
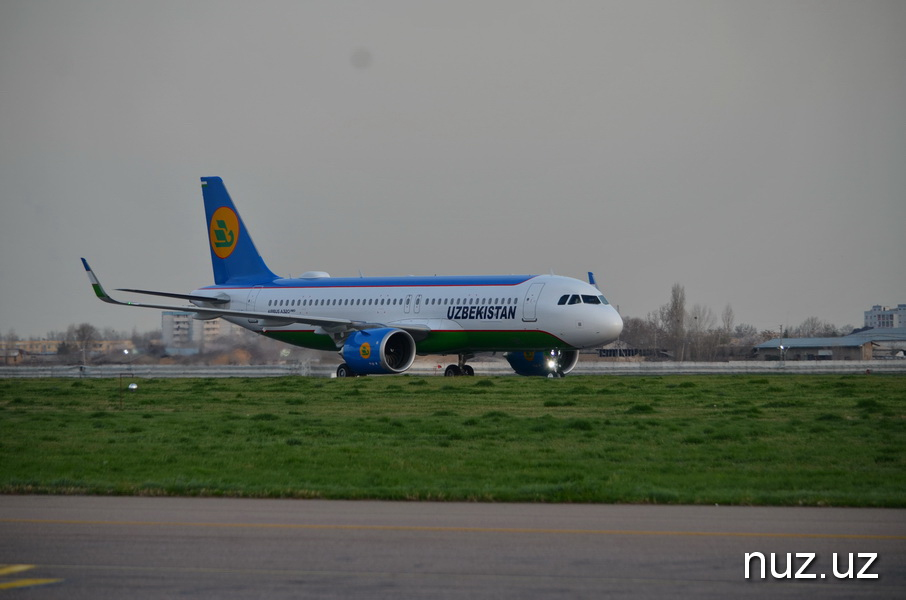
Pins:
x: 555, y: 370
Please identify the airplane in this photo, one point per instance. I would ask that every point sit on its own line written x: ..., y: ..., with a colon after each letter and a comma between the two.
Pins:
x: 379, y: 324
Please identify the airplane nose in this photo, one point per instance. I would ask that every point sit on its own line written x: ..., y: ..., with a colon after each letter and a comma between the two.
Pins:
x: 599, y: 326
x: 613, y: 325
x: 607, y: 327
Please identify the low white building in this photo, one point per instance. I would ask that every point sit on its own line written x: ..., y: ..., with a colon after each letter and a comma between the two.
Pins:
x: 886, y: 317
x: 181, y: 333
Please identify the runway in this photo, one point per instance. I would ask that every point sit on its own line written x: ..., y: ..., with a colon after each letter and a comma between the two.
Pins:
x: 103, y: 547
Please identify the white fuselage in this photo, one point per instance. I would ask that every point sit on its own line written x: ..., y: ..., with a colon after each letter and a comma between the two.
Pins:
x: 496, y: 313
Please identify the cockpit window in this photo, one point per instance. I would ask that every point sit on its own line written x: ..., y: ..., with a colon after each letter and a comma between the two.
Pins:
x: 580, y: 299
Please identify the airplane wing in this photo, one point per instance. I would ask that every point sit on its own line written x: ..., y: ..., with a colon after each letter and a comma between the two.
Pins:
x: 196, y: 298
x: 339, y: 328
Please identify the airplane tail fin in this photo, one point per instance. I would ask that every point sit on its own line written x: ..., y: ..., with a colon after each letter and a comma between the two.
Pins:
x: 233, y: 254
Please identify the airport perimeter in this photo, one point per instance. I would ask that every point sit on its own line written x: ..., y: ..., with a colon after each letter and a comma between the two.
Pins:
x: 487, y: 367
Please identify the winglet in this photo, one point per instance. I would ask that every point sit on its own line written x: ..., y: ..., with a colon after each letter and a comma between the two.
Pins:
x: 96, y: 285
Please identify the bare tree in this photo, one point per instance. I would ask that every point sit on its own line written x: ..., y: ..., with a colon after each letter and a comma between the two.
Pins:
x: 726, y: 320
x: 8, y: 346
x: 673, y: 315
x: 83, y: 336
x: 814, y: 327
x: 701, y: 334
x: 641, y: 333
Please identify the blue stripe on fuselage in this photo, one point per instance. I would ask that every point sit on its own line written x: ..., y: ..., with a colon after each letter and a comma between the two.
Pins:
x: 390, y: 282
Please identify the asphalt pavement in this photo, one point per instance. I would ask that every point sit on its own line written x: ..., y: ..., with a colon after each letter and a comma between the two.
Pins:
x: 115, y: 547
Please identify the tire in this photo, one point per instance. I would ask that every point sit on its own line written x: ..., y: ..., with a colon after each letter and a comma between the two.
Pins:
x: 452, y: 371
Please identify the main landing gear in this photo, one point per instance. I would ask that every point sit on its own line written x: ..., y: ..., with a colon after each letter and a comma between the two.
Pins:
x: 460, y: 369
x: 344, y: 371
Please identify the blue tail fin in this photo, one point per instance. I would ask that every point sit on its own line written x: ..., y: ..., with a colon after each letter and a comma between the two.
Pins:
x: 233, y: 254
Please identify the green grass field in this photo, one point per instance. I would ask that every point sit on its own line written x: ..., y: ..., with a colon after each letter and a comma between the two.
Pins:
x: 741, y: 439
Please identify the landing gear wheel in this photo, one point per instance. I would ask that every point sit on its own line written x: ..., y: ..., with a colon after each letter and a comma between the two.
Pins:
x: 344, y: 371
x: 468, y: 370
x: 452, y: 371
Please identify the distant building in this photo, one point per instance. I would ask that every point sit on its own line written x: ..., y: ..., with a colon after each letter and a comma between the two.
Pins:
x: 43, y: 349
x: 12, y: 356
x: 181, y: 333
x: 37, y: 347
x: 885, y: 317
x: 865, y: 345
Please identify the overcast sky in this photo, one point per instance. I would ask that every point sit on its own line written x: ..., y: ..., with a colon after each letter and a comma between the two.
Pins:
x: 752, y: 151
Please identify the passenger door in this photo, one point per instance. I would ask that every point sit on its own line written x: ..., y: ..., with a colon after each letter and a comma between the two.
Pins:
x: 530, y: 303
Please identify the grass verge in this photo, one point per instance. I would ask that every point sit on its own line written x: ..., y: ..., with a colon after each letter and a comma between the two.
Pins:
x: 736, y: 439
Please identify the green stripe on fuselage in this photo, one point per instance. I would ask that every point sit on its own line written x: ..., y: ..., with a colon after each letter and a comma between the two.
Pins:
x: 305, y: 339
x: 442, y: 342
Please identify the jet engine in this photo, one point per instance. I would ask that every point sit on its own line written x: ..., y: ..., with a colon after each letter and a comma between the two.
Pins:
x: 552, y: 363
x: 377, y: 351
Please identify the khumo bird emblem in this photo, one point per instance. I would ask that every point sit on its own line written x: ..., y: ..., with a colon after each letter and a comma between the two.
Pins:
x: 224, y: 231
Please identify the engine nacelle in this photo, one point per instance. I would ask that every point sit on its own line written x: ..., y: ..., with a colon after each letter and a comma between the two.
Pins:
x: 379, y: 351
x: 545, y: 364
